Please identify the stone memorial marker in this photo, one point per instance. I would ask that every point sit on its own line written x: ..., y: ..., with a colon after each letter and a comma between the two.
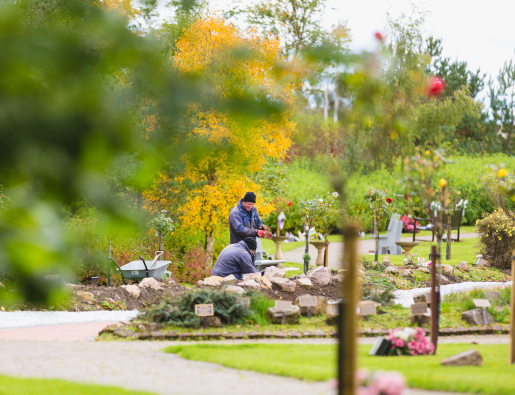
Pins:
x: 283, y: 305
x: 364, y: 309
x: 423, y: 298
x: 419, y: 309
x: 204, y: 310
x: 308, y: 301
x: 492, y: 294
x: 484, y: 303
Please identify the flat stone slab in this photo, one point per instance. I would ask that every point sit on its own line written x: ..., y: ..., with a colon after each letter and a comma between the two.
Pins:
x: 470, y: 357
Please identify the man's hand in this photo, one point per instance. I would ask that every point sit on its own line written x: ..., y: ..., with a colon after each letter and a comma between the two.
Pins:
x: 264, y: 227
x: 264, y: 234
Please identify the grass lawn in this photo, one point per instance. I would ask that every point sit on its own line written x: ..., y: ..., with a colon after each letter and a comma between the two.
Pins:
x: 23, y: 386
x: 318, y: 362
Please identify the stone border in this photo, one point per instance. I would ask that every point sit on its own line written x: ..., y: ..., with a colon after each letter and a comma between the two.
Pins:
x: 121, y: 332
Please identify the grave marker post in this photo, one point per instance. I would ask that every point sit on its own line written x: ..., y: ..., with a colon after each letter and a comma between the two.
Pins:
x: 434, y: 300
x: 347, y: 317
x: 512, y: 314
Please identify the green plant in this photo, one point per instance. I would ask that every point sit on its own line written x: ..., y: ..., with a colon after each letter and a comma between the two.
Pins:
x: 496, y: 239
x: 114, y: 305
x: 193, y: 267
x: 180, y: 310
x: 259, y: 305
x: 306, y: 257
x: 383, y: 295
x: 162, y: 224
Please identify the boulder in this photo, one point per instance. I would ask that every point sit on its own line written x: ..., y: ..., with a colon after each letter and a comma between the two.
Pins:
x: 213, y: 321
x: 444, y: 280
x: 476, y: 317
x: 423, y: 270
x: 320, y: 275
x: 251, y: 284
x: 265, y: 282
x: 484, y: 263
x: 214, y: 281
x: 284, y: 284
x: 85, y: 296
x: 391, y: 270
x: 158, y: 335
x: 170, y: 281
x: 405, y: 273
x: 470, y: 357
x: 272, y: 271
x: 150, y: 282
x: 133, y: 290
x: 298, y: 276
x: 252, y: 276
x: 315, y: 310
x: 200, y: 282
x: 304, y: 282
x: 447, y: 270
x: 292, y: 315
x: 338, y: 277
x: 230, y: 279
x: 234, y: 288
x: 463, y: 266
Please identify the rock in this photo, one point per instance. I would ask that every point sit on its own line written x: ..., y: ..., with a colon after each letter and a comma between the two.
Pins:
x: 265, y: 282
x: 198, y: 335
x: 284, y: 284
x: 444, y: 280
x: 172, y: 335
x: 149, y: 282
x: 298, y: 276
x: 294, y: 334
x: 154, y: 326
x: 133, y: 290
x: 405, y: 273
x: 423, y: 270
x: 280, y: 334
x: 158, y: 335
x: 315, y: 310
x: 475, y: 317
x: 253, y: 335
x: 391, y: 270
x: 233, y: 288
x: 251, y: 276
x: 447, y: 270
x: 292, y: 315
x: 361, y: 272
x: 213, y: 335
x: 213, y: 321
x: 143, y: 335
x: 426, y: 318
x: 272, y: 271
x: 320, y: 333
x: 463, y: 266
x: 470, y: 357
x: 321, y: 275
x: 170, y: 281
x: 267, y: 334
x: 111, y: 328
x: 250, y: 283
x: 68, y: 285
x: 214, y: 281
x: 239, y: 335
x: 304, y: 282
x: 200, y: 282
x: 230, y: 279
x: 85, y: 296
x: 338, y: 277
x: 484, y: 263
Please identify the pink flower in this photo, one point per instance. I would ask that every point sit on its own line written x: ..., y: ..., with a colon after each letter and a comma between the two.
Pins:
x: 379, y: 36
x: 389, y: 383
x: 362, y: 375
x: 399, y: 343
x: 421, y: 331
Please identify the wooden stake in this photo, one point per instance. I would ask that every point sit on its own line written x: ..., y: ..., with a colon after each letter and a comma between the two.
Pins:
x: 434, y: 300
x: 347, y: 319
x: 512, y: 314
x: 326, y: 251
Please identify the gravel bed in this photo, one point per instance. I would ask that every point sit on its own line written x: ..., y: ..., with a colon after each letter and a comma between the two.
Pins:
x: 405, y: 297
x: 20, y: 319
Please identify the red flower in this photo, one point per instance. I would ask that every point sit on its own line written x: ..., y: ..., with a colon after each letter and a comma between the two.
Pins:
x: 379, y: 36
x: 436, y: 86
x: 289, y: 204
x: 388, y: 200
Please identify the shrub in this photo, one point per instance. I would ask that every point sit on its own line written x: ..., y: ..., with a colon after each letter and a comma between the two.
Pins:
x: 496, y: 239
x: 383, y: 295
x: 194, y: 267
x: 180, y: 310
x: 259, y: 305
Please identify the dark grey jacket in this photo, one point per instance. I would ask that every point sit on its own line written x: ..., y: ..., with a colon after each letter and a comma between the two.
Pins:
x: 241, y: 224
x: 234, y: 259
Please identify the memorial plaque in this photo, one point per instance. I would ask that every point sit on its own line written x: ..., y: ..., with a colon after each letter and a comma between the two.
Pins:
x: 493, y: 295
x: 364, y: 308
x: 481, y: 302
x: 334, y: 309
x: 307, y: 301
x: 423, y: 298
x: 204, y: 310
x: 418, y: 308
x: 283, y: 304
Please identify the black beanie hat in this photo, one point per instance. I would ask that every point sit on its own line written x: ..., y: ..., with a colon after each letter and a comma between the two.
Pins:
x: 250, y: 197
x: 251, y: 243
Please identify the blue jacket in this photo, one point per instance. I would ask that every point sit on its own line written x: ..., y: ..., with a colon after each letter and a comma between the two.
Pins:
x: 234, y: 259
x: 242, y: 223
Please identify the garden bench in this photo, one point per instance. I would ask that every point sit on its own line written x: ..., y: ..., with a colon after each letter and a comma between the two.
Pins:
x: 260, y: 263
x: 455, y: 223
x: 393, y: 234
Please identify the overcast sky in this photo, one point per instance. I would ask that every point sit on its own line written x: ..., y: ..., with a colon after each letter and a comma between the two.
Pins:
x: 479, y: 32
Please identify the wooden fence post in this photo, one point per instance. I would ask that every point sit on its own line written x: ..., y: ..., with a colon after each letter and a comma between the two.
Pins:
x: 512, y: 311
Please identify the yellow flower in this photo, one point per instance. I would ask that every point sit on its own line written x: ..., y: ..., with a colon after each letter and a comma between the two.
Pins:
x: 442, y: 183
x: 502, y: 173
x: 427, y: 152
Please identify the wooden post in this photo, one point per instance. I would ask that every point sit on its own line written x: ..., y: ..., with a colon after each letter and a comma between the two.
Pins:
x: 326, y: 252
x: 347, y: 319
x: 512, y: 313
x: 434, y: 300
x: 448, y: 256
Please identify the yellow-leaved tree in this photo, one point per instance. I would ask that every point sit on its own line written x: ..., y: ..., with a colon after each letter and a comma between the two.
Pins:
x: 230, y: 148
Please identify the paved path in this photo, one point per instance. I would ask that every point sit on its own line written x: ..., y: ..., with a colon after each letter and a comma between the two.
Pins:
x: 336, y: 249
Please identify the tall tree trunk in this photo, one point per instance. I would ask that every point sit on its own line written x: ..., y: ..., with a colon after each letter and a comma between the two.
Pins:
x: 210, y: 248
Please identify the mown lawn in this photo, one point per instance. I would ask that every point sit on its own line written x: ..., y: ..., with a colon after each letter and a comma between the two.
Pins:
x: 318, y: 363
x: 23, y: 386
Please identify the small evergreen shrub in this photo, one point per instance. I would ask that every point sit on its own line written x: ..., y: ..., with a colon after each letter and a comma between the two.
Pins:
x: 259, y: 305
x: 496, y: 237
x: 180, y: 310
x: 383, y: 295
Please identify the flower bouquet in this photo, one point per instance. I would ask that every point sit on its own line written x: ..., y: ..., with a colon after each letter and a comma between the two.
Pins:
x: 376, y: 383
x: 409, y: 342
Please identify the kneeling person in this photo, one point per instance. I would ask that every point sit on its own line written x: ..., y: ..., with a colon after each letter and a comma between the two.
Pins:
x: 236, y: 259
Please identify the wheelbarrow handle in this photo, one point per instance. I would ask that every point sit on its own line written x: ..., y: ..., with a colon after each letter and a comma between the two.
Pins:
x: 119, y: 268
x: 146, y: 269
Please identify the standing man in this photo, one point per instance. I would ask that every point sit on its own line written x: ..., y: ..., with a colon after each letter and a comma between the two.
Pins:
x: 245, y: 222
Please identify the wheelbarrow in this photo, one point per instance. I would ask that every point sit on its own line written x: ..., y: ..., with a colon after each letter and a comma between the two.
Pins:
x: 138, y: 270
